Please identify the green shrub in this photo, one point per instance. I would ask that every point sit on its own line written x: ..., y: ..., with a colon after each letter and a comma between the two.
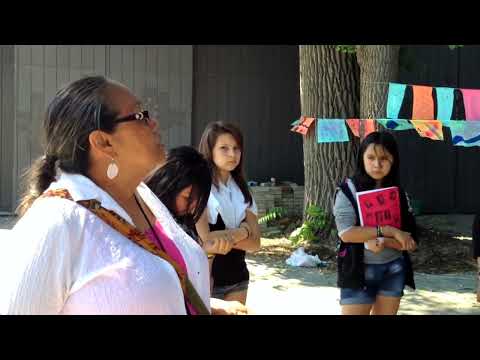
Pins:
x: 315, y: 221
x: 272, y: 214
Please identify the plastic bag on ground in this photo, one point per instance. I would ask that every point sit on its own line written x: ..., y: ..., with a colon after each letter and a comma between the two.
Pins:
x: 300, y: 258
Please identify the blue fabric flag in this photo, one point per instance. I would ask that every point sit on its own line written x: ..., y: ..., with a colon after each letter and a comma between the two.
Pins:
x: 396, y: 93
x: 465, y: 133
x: 331, y: 130
x: 444, y: 103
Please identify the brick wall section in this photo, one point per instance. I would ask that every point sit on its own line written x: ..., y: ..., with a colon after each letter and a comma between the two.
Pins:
x: 289, y: 197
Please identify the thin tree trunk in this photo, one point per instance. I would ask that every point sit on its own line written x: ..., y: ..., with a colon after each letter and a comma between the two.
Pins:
x: 328, y: 89
x: 378, y: 66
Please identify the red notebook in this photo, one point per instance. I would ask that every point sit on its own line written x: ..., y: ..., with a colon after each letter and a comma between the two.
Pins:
x: 379, y: 207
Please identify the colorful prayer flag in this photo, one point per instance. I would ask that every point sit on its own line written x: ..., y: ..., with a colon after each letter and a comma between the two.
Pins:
x: 422, y: 102
x: 395, y: 124
x: 331, y: 130
x: 304, y: 125
x: 444, y: 103
x: 396, y: 93
x: 465, y: 133
x: 431, y: 129
x: 356, y: 125
x: 471, y: 100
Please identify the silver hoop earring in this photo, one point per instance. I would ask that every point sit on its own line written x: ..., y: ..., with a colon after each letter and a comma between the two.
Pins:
x: 112, y: 170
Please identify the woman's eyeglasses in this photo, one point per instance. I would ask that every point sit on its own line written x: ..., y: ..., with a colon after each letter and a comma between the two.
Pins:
x: 136, y: 116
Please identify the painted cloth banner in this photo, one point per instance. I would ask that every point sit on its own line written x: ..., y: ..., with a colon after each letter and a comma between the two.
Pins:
x: 368, y: 126
x: 396, y: 92
x: 354, y: 125
x: 331, y: 130
x: 451, y: 103
x: 471, y: 100
x: 444, y: 103
x: 422, y: 102
x: 465, y: 133
x: 395, y: 124
x: 431, y: 129
x: 305, y: 123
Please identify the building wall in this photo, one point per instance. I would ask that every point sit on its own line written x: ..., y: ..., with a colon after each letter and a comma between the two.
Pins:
x: 161, y: 76
x: 7, y: 131
x: 258, y: 88
x: 442, y: 177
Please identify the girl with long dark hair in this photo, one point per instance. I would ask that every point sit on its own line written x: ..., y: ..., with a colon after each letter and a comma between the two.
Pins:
x: 183, y: 185
x: 231, y: 212
x: 373, y: 262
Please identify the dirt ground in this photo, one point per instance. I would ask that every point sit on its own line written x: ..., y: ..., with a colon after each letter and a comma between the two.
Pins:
x: 277, y: 288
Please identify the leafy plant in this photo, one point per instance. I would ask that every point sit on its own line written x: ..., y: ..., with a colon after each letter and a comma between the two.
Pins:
x: 272, y: 214
x: 315, y: 221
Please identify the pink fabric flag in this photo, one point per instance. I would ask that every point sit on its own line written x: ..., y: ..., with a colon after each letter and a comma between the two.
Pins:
x: 471, y: 100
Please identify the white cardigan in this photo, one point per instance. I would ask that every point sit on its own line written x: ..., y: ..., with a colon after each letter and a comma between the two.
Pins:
x: 61, y: 258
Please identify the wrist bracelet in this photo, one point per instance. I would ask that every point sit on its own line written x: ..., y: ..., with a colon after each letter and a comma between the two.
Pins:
x: 379, y: 231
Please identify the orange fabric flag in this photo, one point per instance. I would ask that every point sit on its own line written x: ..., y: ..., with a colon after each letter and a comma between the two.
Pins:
x: 422, y: 102
x: 308, y: 121
x: 354, y: 125
x: 368, y: 126
x: 304, y: 125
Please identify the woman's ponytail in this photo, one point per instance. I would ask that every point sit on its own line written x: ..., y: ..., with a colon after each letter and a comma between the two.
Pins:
x: 37, y: 179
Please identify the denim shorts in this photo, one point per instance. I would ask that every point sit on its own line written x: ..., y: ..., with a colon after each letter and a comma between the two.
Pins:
x: 219, y: 292
x: 380, y: 279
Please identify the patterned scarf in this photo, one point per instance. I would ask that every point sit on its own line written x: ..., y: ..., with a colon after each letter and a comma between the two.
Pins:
x: 132, y: 233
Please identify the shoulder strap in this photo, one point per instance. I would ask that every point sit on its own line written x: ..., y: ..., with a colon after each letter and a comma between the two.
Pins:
x: 133, y: 234
x: 348, y: 193
x: 408, y: 219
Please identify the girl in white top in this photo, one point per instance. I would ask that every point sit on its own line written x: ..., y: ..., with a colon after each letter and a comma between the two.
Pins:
x: 231, y: 213
x: 61, y: 258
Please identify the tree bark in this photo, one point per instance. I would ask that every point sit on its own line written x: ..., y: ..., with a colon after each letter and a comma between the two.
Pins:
x: 378, y: 66
x: 328, y: 89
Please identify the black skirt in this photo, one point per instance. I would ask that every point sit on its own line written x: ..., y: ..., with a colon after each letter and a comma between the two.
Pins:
x: 231, y: 268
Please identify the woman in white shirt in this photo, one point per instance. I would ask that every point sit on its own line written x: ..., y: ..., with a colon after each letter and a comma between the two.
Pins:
x: 62, y: 257
x: 231, y: 212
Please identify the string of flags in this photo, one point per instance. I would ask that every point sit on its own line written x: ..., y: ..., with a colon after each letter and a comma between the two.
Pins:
x: 410, y: 107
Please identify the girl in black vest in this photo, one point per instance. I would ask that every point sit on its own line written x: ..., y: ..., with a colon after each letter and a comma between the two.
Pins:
x: 373, y: 262
x: 231, y: 212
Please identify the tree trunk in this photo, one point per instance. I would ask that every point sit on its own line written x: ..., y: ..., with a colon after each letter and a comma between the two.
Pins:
x: 378, y: 66
x: 328, y: 89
